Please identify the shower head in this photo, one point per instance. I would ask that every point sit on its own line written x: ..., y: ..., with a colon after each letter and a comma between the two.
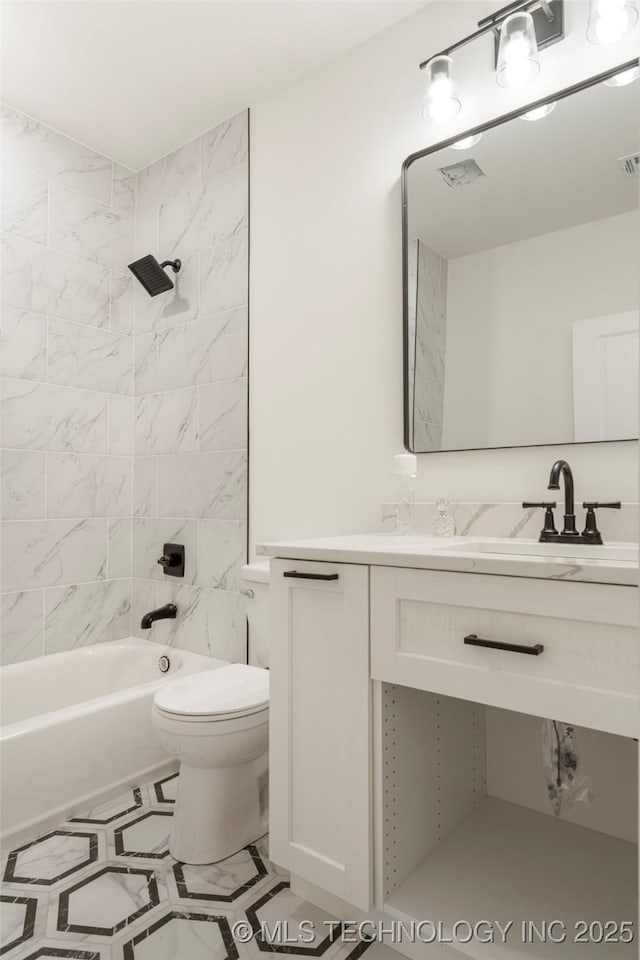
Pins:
x: 151, y: 274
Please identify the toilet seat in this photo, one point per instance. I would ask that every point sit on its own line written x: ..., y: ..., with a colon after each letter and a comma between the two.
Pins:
x: 224, y: 693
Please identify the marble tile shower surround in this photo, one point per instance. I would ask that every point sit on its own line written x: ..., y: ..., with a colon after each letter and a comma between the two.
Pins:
x: 190, y: 392
x: 475, y: 519
x: 67, y: 218
x: 124, y: 417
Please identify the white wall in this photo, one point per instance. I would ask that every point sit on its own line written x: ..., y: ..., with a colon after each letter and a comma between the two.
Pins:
x: 509, y: 328
x: 326, y: 344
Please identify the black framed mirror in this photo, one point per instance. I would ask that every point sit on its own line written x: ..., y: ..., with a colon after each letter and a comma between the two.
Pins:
x: 521, y: 285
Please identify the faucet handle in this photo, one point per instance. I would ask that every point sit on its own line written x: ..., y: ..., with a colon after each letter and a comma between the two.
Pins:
x: 613, y: 505
x: 549, y: 530
x: 591, y: 532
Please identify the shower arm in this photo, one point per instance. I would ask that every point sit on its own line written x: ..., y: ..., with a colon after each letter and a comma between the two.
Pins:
x: 174, y: 264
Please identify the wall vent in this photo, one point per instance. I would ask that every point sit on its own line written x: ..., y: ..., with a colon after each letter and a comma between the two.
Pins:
x: 460, y: 174
x: 630, y: 165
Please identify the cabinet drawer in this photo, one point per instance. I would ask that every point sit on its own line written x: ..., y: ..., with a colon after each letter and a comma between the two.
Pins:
x: 572, y: 648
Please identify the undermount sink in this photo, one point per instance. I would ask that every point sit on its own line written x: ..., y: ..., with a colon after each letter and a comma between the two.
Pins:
x: 627, y: 552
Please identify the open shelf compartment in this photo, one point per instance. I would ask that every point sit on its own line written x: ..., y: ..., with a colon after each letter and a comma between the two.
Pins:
x: 466, y: 832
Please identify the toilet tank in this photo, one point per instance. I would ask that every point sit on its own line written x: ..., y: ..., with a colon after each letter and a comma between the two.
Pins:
x: 256, y: 584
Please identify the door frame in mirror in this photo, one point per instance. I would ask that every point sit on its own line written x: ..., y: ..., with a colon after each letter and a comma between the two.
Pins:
x: 441, y: 145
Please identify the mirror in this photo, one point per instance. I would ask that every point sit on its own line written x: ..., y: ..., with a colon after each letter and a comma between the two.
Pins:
x: 521, y: 279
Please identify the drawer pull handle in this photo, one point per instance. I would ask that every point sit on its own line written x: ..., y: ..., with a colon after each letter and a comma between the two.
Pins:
x: 310, y: 576
x: 473, y: 640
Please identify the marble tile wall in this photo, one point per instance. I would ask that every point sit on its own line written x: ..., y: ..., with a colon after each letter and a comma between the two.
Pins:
x: 190, y: 392
x: 510, y: 520
x: 67, y: 218
x: 429, y: 350
x: 124, y: 417
x: 412, y: 308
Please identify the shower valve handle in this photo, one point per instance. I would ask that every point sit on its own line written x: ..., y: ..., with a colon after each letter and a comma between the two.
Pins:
x: 172, y: 560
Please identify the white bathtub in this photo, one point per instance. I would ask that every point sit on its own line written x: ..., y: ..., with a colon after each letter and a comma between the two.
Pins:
x: 76, y: 729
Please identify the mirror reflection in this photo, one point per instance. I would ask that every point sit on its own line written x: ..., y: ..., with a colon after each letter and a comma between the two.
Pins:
x: 522, y: 282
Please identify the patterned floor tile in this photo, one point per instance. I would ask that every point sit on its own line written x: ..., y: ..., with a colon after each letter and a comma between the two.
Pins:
x: 283, y: 923
x: 108, y: 901
x: 57, y: 951
x: 51, y: 858
x: 17, y: 921
x: 104, y: 886
x: 114, y: 809
x: 221, y: 883
x: 145, y: 836
x: 164, y: 791
x: 195, y: 936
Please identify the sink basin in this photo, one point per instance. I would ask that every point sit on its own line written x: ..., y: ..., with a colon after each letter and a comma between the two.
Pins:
x: 532, y: 548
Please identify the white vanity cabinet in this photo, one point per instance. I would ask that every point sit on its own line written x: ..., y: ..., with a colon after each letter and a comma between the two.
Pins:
x: 406, y: 762
x: 320, y: 754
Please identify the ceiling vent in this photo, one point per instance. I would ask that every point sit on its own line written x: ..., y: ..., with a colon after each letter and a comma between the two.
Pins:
x: 630, y: 165
x: 460, y: 174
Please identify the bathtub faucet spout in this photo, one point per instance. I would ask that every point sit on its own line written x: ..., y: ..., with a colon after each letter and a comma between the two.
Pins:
x: 168, y: 612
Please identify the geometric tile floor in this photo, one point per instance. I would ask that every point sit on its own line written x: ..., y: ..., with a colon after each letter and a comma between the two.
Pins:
x: 104, y: 887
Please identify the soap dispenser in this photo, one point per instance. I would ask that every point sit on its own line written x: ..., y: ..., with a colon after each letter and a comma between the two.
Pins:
x: 405, y: 470
x: 443, y: 523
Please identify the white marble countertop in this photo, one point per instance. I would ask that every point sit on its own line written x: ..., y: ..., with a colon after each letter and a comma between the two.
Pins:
x: 430, y: 553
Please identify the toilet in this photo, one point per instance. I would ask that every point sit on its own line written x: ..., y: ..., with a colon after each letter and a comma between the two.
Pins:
x: 216, y: 723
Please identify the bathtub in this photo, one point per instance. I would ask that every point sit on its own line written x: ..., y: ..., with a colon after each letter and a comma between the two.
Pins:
x: 76, y: 729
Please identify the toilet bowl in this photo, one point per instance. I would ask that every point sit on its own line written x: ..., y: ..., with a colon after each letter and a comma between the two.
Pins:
x: 216, y: 723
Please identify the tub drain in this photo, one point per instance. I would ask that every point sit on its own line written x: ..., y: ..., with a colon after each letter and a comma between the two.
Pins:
x: 164, y: 664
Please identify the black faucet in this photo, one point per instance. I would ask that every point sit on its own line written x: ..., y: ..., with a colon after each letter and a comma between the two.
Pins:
x: 562, y: 467
x: 168, y: 612
x: 569, y: 534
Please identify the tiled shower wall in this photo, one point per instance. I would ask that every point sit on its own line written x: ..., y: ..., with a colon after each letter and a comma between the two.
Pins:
x: 67, y: 403
x: 190, y: 386
x: 124, y: 417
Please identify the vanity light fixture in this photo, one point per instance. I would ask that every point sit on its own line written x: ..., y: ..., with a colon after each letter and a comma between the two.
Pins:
x: 623, y: 78
x: 520, y: 30
x: 467, y: 142
x: 440, y: 101
x: 610, y: 20
x: 540, y: 112
x: 518, y: 62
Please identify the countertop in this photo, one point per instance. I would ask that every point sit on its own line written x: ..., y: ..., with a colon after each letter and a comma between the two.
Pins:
x: 430, y: 553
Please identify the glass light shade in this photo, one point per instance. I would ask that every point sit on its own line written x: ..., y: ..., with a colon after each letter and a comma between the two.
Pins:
x: 518, y: 62
x: 609, y: 20
x: 540, y: 112
x: 622, y: 79
x: 440, y: 101
x: 466, y: 143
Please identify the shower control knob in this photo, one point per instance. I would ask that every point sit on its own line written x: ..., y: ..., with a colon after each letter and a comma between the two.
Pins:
x: 172, y: 559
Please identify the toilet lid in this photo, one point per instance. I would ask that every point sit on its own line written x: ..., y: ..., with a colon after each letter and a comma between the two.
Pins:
x: 229, y: 690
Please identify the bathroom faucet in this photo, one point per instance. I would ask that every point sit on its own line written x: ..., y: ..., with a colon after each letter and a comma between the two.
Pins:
x: 561, y: 467
x: 168, y: 612
x: 549, y: 534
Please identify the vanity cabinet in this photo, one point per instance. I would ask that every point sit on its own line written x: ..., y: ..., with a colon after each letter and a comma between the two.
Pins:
x: 320, y: 754
x: 406, y: 764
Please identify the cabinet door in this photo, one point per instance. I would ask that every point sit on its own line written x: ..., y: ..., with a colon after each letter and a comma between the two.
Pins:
x: 320, y: 752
